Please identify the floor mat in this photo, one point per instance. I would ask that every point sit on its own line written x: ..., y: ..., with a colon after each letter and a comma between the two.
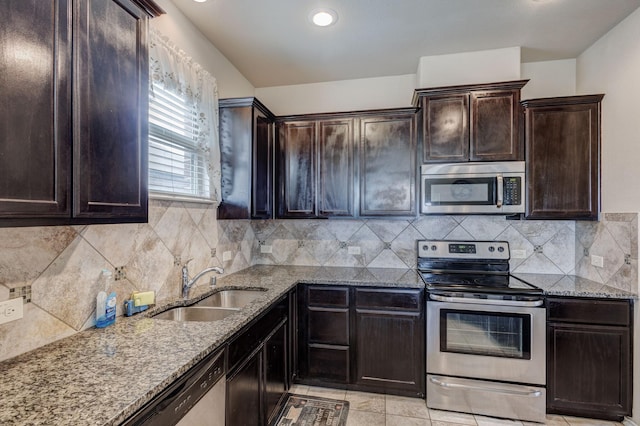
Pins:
x: 307, y: 410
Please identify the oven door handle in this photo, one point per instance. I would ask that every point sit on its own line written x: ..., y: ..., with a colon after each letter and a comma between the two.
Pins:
x: 525, y: 303
x: 444, y: 384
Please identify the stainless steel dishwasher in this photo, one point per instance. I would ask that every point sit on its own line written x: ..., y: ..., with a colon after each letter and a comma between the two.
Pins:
x: 197, y: 398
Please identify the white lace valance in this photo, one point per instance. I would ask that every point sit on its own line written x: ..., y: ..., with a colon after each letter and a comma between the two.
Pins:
x: 173, y: 70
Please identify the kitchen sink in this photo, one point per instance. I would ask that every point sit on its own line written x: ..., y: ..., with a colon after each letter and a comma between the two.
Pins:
x: 192, y: 313
x: 232, y: 298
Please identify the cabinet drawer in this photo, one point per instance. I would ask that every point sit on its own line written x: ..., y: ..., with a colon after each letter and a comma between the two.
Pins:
x: 329, y: 326
x: 328, y: 296
x: 389, y: 299
x: 589, y: 311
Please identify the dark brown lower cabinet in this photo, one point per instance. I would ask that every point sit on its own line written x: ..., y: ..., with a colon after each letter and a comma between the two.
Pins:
x: 324, y: 335
x: 243, y: 393
x: 258, y: 382
x: 275, y: 374
x: 589, y: 367
x: 390, y: 344
x: 361, y: 338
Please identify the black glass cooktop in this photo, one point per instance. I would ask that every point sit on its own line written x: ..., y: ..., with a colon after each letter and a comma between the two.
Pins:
x: 486, y: 283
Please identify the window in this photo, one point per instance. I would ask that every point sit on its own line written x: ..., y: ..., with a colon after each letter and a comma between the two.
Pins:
x: 184, y: 151
x: 176, y: 164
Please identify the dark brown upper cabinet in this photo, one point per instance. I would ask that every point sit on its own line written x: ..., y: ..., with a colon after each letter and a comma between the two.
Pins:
x: 316, y: 167
x: 73, y: 127
x: 479, y: 122
x: 349, y: 164
x: 246, y: 153
x: 563, y: 157
x: 388, y: 164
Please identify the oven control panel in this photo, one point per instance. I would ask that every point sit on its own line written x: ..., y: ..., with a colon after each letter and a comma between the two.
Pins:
x: 450, y: 249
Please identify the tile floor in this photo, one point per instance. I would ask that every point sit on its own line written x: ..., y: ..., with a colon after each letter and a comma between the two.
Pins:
x: 370, y: 409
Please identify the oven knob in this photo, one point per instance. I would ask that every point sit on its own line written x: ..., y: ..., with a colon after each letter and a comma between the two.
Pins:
x: 425, y: 247
x: 500, y: 249
x: 434, y: 248
x: 492, y: 249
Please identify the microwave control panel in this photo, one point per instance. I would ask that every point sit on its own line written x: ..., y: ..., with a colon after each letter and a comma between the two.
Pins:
x: 512, y: 193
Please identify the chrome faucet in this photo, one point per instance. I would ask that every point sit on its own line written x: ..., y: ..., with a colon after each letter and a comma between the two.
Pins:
x: 187, y: 284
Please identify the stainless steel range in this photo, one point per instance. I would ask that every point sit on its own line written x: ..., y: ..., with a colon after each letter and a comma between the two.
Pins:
x: 485, y: 332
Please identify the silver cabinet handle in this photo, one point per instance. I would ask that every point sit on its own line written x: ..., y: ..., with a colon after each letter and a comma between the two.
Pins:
x: 500, y: 191
x: 441, y: 383
x: 525, y: 303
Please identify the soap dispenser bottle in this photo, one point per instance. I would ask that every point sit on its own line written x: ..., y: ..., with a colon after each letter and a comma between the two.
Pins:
x: 105, y: 304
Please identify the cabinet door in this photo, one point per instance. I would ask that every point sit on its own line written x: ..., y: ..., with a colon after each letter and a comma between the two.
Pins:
x: 297, y: 170
x: 236, y: 141
x: 275, y: 361
x: 35, y: 141
x: 244, y: 393
x: 495, y: 126
x: 380, y: 364
x: 262, y: 180
x: 110, y: 110
x: 335, y: 177
x: 588, y: 370
x: 563, y: 157
x: 388, y: 319
x: 388, y: 165
x: 445, y: 128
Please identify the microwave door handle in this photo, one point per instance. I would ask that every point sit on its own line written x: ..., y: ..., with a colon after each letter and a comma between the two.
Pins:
x: 500, y: 191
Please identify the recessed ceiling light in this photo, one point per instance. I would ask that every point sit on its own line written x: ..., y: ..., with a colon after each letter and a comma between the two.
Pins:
x: 323, y: 17
x: 199, y: 1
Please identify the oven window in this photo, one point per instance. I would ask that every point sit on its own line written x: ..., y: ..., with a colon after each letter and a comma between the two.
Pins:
x: 485, y: 333
x: 472, y: 191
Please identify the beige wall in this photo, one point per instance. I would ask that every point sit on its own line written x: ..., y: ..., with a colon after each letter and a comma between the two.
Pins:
x: 486, y: 66
x: 612, y: 66
x: 549, y: 79
x: 231, y: 83
x: 346, y: 95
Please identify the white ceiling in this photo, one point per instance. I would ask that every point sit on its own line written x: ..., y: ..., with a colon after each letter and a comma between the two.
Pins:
x: 272, y: 43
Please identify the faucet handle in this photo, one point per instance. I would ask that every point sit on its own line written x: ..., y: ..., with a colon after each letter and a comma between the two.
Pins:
x: 186, y: 262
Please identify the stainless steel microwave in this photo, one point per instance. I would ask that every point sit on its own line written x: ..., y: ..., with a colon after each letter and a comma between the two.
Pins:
x: 473, y: 188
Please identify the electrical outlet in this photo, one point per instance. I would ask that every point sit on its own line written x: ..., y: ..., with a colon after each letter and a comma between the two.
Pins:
x: 11, y: 310
x: 266, y: 249
x: 597, y: 261
x: 226, y: 256
x: 518, y: 254
x: 353, y: 250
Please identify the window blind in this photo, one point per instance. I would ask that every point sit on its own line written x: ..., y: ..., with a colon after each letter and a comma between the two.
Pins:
x: 176, y: 165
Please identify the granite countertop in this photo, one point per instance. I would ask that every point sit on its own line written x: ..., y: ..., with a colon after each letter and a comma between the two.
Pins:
x: 573, y: 286
x: 102, y: 376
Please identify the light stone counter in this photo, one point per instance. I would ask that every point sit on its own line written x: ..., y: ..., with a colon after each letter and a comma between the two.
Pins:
x: 572, y: 286
x: 102, y: 376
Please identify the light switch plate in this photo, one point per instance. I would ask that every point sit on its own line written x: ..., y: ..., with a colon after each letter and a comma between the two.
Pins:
x: 11, y: 310
x: 266, y: 249
x: 353, y: 250
x: 518, y: 253
x: 597, y: 261
x: 227, y: 255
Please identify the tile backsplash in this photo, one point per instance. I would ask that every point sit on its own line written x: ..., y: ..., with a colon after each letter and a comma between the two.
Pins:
x: 59, y: 267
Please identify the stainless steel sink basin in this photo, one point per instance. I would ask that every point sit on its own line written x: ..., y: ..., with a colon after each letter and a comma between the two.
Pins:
x: 232, y: 298
x: 191, y: 313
